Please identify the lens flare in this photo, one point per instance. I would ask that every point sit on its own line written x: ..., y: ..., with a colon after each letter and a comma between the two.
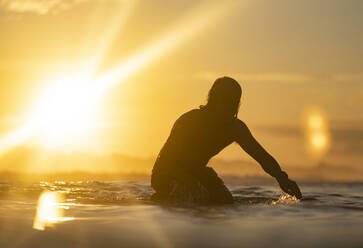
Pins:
x: 319, y: 140
x: 316, y: 122
x: 317, y: 132
x: 50, y: 211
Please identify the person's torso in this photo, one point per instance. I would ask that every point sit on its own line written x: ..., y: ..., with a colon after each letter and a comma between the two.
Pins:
x: 195, y: 138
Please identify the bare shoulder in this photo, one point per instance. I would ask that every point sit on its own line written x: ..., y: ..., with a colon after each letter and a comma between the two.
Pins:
x: 241, y: 129
x: 187, y: 117
x: 190, y: 115
x: 240, y: 125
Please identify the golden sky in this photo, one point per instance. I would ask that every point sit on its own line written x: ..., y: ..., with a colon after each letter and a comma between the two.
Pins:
x: 291, y: 57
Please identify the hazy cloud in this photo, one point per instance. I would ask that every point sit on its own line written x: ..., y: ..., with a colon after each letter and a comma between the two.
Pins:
x: 346, y: 140
x: 40, y: 7
x: 283, y: 77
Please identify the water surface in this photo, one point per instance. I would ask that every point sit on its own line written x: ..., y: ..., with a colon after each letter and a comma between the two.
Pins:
x: 120, y: 214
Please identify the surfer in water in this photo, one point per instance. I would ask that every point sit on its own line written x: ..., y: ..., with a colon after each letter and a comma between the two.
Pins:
x: 180, y: 174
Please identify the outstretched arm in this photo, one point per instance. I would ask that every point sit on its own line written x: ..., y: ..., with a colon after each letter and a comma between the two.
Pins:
x: 249, y: 144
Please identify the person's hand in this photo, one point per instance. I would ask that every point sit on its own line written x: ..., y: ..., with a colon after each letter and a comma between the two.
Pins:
x: 290, y: 187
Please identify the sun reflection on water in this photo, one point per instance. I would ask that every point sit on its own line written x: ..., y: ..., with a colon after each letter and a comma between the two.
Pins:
x: 50, y: 210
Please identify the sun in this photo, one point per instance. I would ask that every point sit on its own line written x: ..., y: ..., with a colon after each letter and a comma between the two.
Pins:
x: 67, y: 112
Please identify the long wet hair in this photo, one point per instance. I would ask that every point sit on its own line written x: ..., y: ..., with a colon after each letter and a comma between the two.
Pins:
x: 225, y: 95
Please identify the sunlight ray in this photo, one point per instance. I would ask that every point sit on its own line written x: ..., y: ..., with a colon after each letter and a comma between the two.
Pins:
x: 192, y: 23
x: 17, y: 137
x: 116, y: 25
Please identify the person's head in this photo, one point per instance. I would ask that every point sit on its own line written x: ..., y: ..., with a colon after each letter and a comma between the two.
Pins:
x: 224, y: 97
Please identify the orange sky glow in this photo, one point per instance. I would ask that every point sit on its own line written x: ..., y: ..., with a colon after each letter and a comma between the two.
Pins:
x: 111, y: 78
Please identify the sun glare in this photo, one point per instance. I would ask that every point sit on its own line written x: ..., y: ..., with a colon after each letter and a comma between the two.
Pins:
x: 50, y: 211
x: 67, y: 111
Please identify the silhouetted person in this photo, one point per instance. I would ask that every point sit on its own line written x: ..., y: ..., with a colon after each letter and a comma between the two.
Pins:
x: 180, y: 173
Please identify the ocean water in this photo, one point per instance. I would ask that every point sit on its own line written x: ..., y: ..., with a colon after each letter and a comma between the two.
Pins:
x: 120, y: 214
